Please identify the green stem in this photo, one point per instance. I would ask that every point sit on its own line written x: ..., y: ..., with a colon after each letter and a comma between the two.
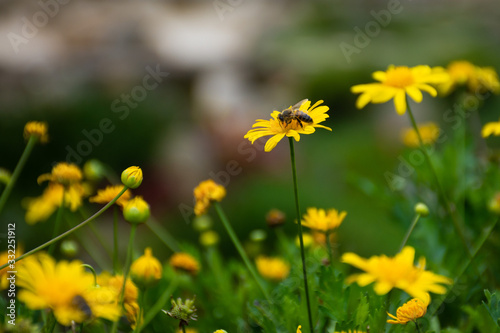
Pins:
x: 238, y: 246
x: 115, y: 240
x: 416, y: 325
x: 299, y: 222
x: 57, y: 224
x: 90, y: 249
x: 329, y: 247
x: 97, y: 234
x: 163, y: 234
x: 50, y: 324
x: 93, y: 272
x: 444, y: 198
x: 17, y: 171
x: 408, y: 233
x: 93, y: 217
x: 126, y: 269
x: 141, y: 310
x: 153, y: 311
x: 466, y: 265
x: 183, y: 329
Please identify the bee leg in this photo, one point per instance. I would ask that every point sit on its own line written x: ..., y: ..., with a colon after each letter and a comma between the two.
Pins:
x: 300, y: 123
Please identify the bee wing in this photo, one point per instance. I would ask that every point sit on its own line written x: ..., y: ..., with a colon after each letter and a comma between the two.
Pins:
x: 299, y: 104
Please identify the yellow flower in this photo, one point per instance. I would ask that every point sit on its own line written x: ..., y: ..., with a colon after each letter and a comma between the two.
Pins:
x: 65, y: 288
x: 41, y: 208
x: 307, y: 238
x: 429, y: 133
x: 109, y: 193
x: 132, y: 177
x: 37, y: 129
x: 190, y: 330
x: 299, y: 329
x: 136, y: 210
x: 209, y: 238
x: 321, y: 220
x: 491, y: 128
x: 477, y: 79
x: 397, y: 272
x: 410, y: 311
x: 488, y: 80
x: 116, y: 282
x: 275, y: 269
x: 62, y: 173
x: 185, y: 262
x: 132, y: 310
x: 397, y: 82
x: 205, y: 193
x: 4, y: 258
x: 220, y: 331
x: 350, y: 331
x: 279, y: 129
x: 146, y: 270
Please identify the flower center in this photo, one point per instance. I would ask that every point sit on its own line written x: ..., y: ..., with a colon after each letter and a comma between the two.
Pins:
x: 399, y: 77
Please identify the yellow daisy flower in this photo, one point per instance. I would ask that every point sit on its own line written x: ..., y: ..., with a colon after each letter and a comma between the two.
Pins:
x: 321, y: 220
x: 429, y: 132
x: 350, y: 331
x: 397, y: 82
x: 205, y: 193
x: 275, y: 269
x: 185, y: 262
x: 4, y: 258
x: 477, y: 79
x: 397, y: 272
x: 146, y: 270
x: 62, y: 173
x: 109, y: 193
x: 38, y: 129
x: 410, y: 311
x: 65, y: 288
x: 291, y: 125
x: 491, y: 128
x: 488, y: 80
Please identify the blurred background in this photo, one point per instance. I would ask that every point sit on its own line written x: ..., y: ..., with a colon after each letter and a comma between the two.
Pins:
x: 173, y: 86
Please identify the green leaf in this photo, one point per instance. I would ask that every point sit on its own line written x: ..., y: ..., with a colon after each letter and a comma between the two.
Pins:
x: 493, y: 306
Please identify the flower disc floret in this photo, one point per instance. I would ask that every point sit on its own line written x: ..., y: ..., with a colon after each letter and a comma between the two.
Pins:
x: 279, y: 130
x: 398, y: 82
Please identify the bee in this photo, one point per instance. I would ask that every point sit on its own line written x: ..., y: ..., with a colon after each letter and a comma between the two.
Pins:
x: 286, y: 116
x: 80, y: 303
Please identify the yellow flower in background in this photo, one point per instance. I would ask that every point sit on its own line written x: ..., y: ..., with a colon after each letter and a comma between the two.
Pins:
x: 307, y: 239
x: 299, y: 329
x: 4, y: 258
x: 488, y: 80
x: 397, y: 272
x: 37, y: 129
x: 275, y: 269
x: 321, y: 220
x: 220, y: 331
x: 185, y: 262
x: 209, y: 238
x: 398, y: 82
x: 62, y: 173
x: 410, y: 311
x: 491, y: 128
x: 136, y: 210
x: 109, y: 193
x: 132, y: 310
x: 429, y: 133
x: 146, y: 270
x: 65, y: 288
x: 205, y: 193
x: 191, y: 330
x: 477, y: 79
x: 302, y: 118
x: 350, y: 331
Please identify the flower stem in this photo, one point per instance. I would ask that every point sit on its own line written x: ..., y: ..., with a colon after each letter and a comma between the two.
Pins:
x: 115, y: 240
x: 17, y: 171
x: 408, y: 233
x: 183, y: 329
x: 299, y: 222
x: 416, y: 325
x: 238, y: 246
x: 142, y: 303
x: 57, y: 225
x: 329, y: 246
x: 93, y: 273
x: 159, y: 304
x: 163, y: 234
x: 126, y: 269
x: 93, y: 217
x: 446, y: 202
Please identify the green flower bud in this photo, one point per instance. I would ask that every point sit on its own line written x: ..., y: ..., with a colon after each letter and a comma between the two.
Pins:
x: 209, y: 238
x: 422, y: 209
x: 132, y: 177
x: 258, y: 235
x: 69, y: 248
x: 94, y: 170
x: 136, y: 210
x: 5, y: 176
x: 202, y: 223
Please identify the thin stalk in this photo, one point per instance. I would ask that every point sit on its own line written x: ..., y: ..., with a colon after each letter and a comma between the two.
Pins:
x: 183, y: 329
x: 90, y: 249
x: 17, y: 171
x: 299, y: 222
x: 238, y: 246
x: 153, y: 311
x: 126, y: 270
x: 97, y: 234
x: 329, y: 246
x: 90, y: 219
x: 57, y: 224
x: 163, y: 234
x: 141, y: 310
x: 93, y: 273
x: 444, y: 198
x: 466, y: 265
x: 115, y: 240
x: 410, y: 230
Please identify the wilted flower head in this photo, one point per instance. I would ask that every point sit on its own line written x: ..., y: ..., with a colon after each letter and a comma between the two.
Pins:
x: 275, y: 218
x: 429, y: 132
x: 410, y: 311
x: 321, y: 220
x: 182, y: 311
x: 109, y: 193
x: 398, y: 82
x: 302, y: 118
x: 275, y: 269
x: 136, y: 210
x: 132, y: 177
x: 37, y: 129
x: 146, y: 270
x: 184, y: 262
x: 205, y: 193
x: 397, y: 272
